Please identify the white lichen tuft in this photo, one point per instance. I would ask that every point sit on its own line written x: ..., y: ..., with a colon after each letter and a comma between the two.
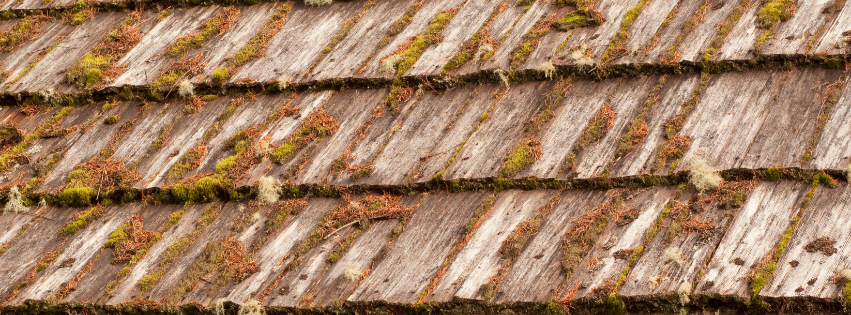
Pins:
x: 16, y: 202
x: 581, y: 57
x: 284, y: 82
x: 352, y: 271
x: 268, y: 191
x: 503, y: 76
x: 548, y: 69
x: 252, y: 307
x: 674, y: 255
x: 683, y: 292
x: 484, y: 50
x: 35, y: 149
x: 848, y: 172
x: 702, y: 176
x: 262, y: 149
x: 846, y: 274
x: 388, y: 65
x: 186, y: 89
x: 317, y: 3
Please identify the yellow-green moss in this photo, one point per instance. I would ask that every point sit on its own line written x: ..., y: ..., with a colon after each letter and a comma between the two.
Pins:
x: 220, y: 75
x: 214, y: 26
x: 774, y: 11
x: 83, y: 219
x: 76, y: 196
x: 576, y: 19
x: 257, y: 44
x: 524, y: 155
x: 616, y: 44
x: 20, y: 32
x: 226, y: 164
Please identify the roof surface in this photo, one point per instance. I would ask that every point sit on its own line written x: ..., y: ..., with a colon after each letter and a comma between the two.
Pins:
x: 411, y: 156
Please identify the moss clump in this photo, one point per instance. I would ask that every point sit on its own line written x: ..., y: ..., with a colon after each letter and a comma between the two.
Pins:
x: 578, y: 18
x: 76, y: 196
x: 774, y: 173
x: 530, y: 42
x: 216, y: 25
x: 524, y: 155
x: 225, y: 165
x: 183, y: 68
x: 480, y: 46
x: 112, y: 119
x: 189, y: 161
x: 724, y: 30
x: 596, y: 129
x: 257, y: 44
x: 83, y: 219
x: 29, y: 138
x: 99, y: 64
x: 314, y: 129
x: 409, y: 53
x: 79, y: 13
x: 774, y: 11
x: 26, y: 29
x: 220, y: 75
x: 615, y: 47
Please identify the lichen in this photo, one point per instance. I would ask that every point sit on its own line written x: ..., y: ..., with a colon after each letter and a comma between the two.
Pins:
x: 15, y: 202
x: 702, y: 176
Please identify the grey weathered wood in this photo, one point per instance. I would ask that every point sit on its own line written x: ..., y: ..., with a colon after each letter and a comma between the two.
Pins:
x: 420, y: 250
x: 757, y: 228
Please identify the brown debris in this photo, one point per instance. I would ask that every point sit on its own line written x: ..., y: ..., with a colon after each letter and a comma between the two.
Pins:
x: 106, y: 175
x: 821, y: 244
x: 135, y: 239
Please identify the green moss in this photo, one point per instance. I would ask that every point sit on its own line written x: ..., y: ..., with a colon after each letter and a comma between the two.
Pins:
x: 576, y: 19
x: 616, y: 45
x: 220, y: 75
x: 112, y: 119
x: 760, y: 41
x: 209, y: 97
x: 761, y: 279
x: 76, y: 196
x: 257, y: 44
x: 225, y: 165
x: 80, y: 17
x: 211, y: 27
x: 82, y: 220
x: 773, y: 174
x: 774, y: 11
x: 20, y: 32
x: 614, y: 305
x: 724, y: 30
x: 117, y: 237
x: 524, y: 155
x: 596, y: 129
x: 530, y: 42
x: 315, y: 128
